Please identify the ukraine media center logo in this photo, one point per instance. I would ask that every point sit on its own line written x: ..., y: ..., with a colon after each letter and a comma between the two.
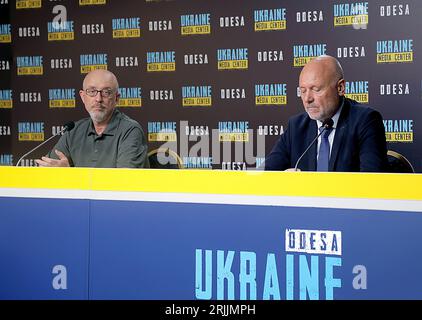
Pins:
x: 62, y: 31
x: 232, y: 59
x: 126, y: 27
x: 271, y: 94
x: 29, y: 65
x: 357, y: 90
x: 6, y: 100
x: 195, y: 24
x: 130, y: 97
x: 161, y: 61
x: 5, y: 33
x: 395, y: 51
x: 199, y: 96
x: 62, y: 98
x: 91, y: 62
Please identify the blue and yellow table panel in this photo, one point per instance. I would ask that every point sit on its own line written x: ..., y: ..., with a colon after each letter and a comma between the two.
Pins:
x: 75, y: 233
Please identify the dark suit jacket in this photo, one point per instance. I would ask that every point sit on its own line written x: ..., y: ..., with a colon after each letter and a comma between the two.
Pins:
x: 359, y: 142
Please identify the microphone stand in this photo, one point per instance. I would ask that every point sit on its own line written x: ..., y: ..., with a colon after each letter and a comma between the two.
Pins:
x: 326, y: 124
x: 20, y: 159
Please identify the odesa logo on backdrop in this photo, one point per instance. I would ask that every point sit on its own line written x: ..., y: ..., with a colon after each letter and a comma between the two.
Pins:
x: 61, y: 98
x: 28, y: 4
x: 29, y: 65
x: 196, y: 96
x: 274, y: 94
x: 29, y: 32
x: 31, y: 131
x: 5, y: 130
x: 5, y: 33
x: 162, y: 131
x: 232, y: 59
x: 30, y: 97
x: 94, y: 61
x: 393, y: 10
x: 161, y: 61
x: 357, y: 90
x: 130, y: 97
x: 61, y: 63
x: 4, y: 65
x: 399, y: 130
x: 270, y: 19
x: 194, y: 24
x: 395, y: 51
x: 304, y: 53
x: 194, y: 130
x: 161, y: 95
x: 350, y: 14
x: 233, y: 131
x: 126, y: 27
x: 232, y: 93
x: 6, y: 99
x: 62, y: 31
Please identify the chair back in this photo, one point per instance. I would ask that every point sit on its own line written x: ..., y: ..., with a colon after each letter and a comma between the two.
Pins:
x: 398, y: 163
x: 164, y: 158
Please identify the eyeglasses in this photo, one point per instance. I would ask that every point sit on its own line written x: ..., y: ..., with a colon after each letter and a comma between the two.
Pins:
x: 104, y: 92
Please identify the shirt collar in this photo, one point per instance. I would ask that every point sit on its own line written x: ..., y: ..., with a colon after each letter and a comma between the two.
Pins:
x: 335, y: 117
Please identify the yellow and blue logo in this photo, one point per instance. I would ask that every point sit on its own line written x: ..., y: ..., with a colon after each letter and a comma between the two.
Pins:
x: 28, y: 4
x: 232, y: 59
x: 91, y: 2
x: 130, y: 97
x: 162, y: 131
x: 31, y: 131
x: 6, y: 159
x: 163, y: 61
x: 29, y: 65
x: 60, y: 31
x: 6, y: 99
x: 304, y: 53
x: 191, y: 24
x: 126, y: 27
x: 348, y: 14
x: 233, y: 131
x: 196, y: 96
x: 61, y: 98
x: 357, y: 90
x: 270, y: 94
x: 5, y: 33
x: 197, y: 162
x: 395, y: 51
x: 91, y: 62
x: 270, y: 19
x: 399, y: 130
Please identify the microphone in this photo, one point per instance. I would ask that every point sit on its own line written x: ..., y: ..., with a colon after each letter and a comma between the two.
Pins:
x: 67, y: 127
x: 327, y: 124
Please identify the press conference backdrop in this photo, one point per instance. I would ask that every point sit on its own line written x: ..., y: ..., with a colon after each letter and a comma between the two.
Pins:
x: 193, y: 70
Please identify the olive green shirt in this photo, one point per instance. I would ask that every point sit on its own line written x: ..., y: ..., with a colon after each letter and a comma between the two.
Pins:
x: 121, y: 145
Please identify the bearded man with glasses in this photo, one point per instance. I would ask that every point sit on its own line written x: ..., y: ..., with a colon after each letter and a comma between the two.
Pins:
x: 108, y: 138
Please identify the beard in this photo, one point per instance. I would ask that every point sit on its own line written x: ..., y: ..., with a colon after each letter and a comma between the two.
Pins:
x: 98, y: 116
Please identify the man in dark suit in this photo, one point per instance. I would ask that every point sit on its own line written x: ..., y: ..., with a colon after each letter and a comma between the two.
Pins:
x: 355, y: 141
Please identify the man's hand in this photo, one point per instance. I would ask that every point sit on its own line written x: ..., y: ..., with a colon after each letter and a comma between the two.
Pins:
x: 49, y: 162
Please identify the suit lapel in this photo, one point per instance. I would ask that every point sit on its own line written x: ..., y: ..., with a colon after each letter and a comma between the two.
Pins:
x: 340, y: 132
